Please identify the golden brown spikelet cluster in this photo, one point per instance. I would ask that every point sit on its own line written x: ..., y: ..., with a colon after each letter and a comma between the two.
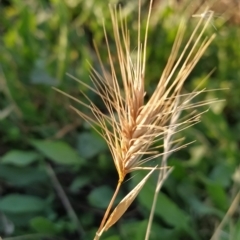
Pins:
x: 133, y: 124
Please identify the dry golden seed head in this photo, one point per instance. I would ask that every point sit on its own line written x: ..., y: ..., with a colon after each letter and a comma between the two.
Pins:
x: 132, y: 125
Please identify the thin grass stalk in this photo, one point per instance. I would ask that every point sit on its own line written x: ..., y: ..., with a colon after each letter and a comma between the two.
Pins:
x: 162, y: 176
x: 108, y: 208
x: 65, y: 201
x: 175, y: 118
x: 230, y: 212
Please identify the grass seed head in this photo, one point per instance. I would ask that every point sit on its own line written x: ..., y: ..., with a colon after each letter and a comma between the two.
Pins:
x: 133, y: 124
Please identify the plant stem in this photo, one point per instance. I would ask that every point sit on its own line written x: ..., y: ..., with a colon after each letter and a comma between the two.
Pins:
x: 161, y: 178
x: 99, y: 231
x: 229, y: 213
x: 65, y: 201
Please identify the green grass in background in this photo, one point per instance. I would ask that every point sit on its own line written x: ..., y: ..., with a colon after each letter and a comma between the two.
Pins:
x: 41, y: 138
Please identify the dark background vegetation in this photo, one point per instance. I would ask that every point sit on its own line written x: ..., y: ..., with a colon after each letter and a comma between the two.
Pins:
x: 47, y: 150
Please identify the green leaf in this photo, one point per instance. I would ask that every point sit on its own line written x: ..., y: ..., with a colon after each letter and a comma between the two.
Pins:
x: 170, y: 212
x: 236, y: 230
x: 189, y: 194
x: 115, y: 237
x: 17, y: 204
x: 165, y: 207
x: 57, y: 151
x: 89, y: 145
x: 218, y: 195
x: 100, y: 197
x: 78, y: 183
x: 39, y: 74
x: 43, y: 225
x: 20, y: 158
x: 22, y: 176
x: 222, y: 174
x: 128, y: 229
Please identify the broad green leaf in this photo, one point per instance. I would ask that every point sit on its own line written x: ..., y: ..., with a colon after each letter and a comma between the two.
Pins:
x: 17, y: 204
x: 57, y: 151
x: 216, y: 191
x: 79, y: 182
x: 89, y: 145
x: 133, y: 229
x: 186, y: 190
x: 20, y: 158
x: 20, y: 219
x: 22, y: 176
x: 100, y: 197
x: 218, y: 195
x: 236, y: 230
x: 222, y: 174
x: 39, y: 74
x: 43, y: 225
x: 137, y: 230
x: 170, y: 212
x: 165, y: 207
x: 112, y: 238
x: 179, y: 170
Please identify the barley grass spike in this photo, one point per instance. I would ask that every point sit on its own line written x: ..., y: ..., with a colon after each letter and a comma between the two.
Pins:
x: 132, y: 125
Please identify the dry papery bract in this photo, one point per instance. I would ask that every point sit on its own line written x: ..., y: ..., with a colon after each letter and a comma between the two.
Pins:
x: 133, y: 126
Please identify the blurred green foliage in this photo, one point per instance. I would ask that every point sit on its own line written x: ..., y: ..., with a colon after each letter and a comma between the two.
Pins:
x: 40, y: 42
